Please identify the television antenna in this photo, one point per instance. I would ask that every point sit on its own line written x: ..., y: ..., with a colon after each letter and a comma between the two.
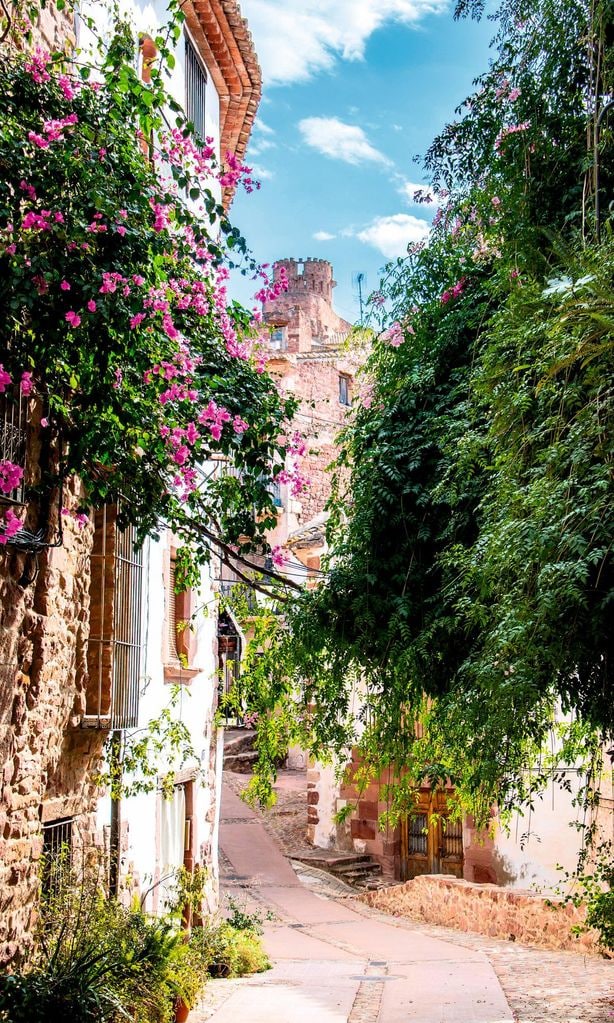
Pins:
x: 359, y: 283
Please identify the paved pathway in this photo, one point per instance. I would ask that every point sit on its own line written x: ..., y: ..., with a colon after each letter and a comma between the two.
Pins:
x: 334, y: 963
x: 540, y: 986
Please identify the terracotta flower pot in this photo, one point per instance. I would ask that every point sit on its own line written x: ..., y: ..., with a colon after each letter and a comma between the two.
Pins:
x: 181, y: 1011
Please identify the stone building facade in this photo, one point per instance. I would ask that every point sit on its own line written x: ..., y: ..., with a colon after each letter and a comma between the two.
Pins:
x: 69, y: 675
x: 310, y: 356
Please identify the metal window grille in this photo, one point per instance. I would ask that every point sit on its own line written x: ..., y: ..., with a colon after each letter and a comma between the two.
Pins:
x: 127, y: 630
x: 417, y: 834
x: 115, y: 653
x: 172, y: 616
x: 57, y: 852
x: 13, y: 438
x: 195, y: 89
x: 344, y: 390
x: 452, y: 838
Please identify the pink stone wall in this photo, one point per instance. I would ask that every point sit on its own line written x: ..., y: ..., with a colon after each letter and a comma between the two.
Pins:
x: 486, y: 909
x: 48, y: 761
x: 310, y: 367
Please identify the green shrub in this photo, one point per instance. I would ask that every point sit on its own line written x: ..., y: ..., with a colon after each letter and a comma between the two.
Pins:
x: 229, y: 951
x: 95, y: 961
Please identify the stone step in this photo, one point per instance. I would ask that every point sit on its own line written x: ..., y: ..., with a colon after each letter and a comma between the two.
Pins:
x: 358, y: 870
x: 356, y: 877
x: 240, y: 763
x: 330, y: 861
x: 238, y: 743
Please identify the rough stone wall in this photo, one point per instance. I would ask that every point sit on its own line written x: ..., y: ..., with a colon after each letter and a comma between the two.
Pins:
x: 487, y: 909
x: 53, y: 29
x: 48, y: 761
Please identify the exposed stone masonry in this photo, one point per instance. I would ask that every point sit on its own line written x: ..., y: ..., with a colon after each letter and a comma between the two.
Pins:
x: 487, y: 909
x: 48, y: 761
x: 309, y: 365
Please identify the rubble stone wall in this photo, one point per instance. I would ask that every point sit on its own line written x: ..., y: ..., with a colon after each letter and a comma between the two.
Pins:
x: 48, y: 760
x: 487, y: 909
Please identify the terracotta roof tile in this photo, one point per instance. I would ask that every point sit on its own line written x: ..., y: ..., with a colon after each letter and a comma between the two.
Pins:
x: 226, y: 46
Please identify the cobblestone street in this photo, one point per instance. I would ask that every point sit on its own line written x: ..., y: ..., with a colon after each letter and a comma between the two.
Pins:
x: 540, y: 986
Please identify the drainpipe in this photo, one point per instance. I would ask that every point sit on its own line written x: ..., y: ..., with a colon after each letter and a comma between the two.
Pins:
x: 116, y: 813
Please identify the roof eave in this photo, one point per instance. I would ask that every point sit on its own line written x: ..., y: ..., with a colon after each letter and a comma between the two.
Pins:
x: 227, y: 48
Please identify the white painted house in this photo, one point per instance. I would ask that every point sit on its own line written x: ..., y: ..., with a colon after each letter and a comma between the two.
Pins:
x: 217, y: 81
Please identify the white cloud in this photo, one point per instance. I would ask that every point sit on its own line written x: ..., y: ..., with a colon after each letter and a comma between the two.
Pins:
x: 298, y: 38
x: 261, y: 173
x: 425, y: 197
x: 258, y: 146
x: 341, y: 141
x: 323, y: 236
x: 392, y: 235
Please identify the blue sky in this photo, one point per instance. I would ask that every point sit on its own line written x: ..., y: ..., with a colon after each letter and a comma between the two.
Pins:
x: 353, y: 90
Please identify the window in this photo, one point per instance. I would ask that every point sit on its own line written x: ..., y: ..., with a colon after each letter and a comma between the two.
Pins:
x: 344, y: 389
x: 274, y: 489
x: 179, y: 640
x: 195, y: 88
x: 176, y: 839
x: 57, y: 850
x: 278, y: 340
x: 115, y: 643
x: 13, y: 423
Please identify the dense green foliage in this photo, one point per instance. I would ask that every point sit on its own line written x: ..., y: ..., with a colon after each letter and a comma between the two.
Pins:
x: 470, y: 574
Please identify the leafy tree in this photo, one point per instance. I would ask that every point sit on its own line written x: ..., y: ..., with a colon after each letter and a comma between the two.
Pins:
x: 469, y: 583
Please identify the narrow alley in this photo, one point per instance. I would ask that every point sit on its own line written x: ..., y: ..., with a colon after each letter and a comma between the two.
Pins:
x: 337, y: 961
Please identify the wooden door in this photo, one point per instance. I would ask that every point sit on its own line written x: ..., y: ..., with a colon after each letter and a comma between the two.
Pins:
x: 430, y: 842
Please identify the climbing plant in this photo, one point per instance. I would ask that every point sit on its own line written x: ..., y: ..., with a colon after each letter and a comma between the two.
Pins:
x: 115, y: 252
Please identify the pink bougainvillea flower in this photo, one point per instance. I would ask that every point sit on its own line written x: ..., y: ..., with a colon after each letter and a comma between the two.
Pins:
x: 40, y: 284
x: 11, y: 476
x: 394, y: 335
x: 73, y: 318
x: 28, y: 189
x: 239, y: 425
x: 9, y: 527
x: 91, y: 305
x: 44, y: 422
x: 26, y: 384
x: 68, y: 89
x: 64, y: 285
x: 36, y: 65
x: 279, y: 557
x: 38, y: 140
x: 5, y: 379
x: 36, y: 221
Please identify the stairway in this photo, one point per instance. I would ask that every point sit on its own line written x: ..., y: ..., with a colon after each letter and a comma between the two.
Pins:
x: 239, y: 752
x: 360, y: 871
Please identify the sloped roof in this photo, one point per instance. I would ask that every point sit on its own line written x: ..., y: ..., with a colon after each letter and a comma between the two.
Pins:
x: 227, y: 48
